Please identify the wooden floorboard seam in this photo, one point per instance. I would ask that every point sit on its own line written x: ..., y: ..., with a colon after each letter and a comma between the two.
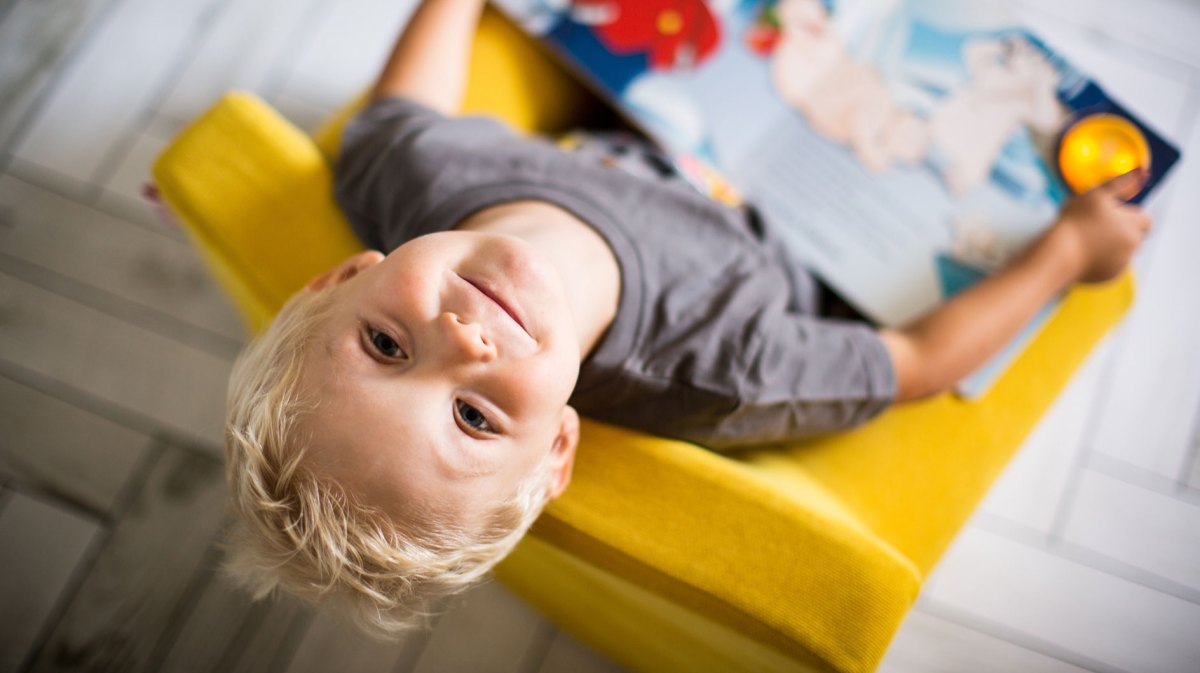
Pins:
x: 538, y: 648
x: 60, y: 500
x: 414, y: 647
x: 1183, y: 480
x: 296, y: 631
x: 256, y: 618
x: 1084, y: 448
x: 54, y: 181
x: 135, y: 313
x: 283, y: 69
x: 136, y: 123
x: 166, y: 229
x: 234, y: 649
x: 208, y: 571
x: 170, y: 486
x: 1057, y: 546
x: 1155, y: 482
x: 64, y: 66
x: 70, y: 588
x: 1018, y: 638
x: 1128, y: 572
x: 104, y: 408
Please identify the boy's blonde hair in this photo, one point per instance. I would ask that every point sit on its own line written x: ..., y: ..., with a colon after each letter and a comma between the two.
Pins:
x: 294, y: 530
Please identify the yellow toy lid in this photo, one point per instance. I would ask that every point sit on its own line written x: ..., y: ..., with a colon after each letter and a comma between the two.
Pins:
x: 1098, y: 148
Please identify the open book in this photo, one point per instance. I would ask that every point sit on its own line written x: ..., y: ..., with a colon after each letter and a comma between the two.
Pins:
x: 910, y: 147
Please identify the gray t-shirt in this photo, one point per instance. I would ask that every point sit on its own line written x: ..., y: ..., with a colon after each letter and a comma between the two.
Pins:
x: 717, y: 338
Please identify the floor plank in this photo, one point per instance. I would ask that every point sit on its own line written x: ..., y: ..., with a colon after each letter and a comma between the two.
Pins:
x: 217, y: 615
x: 345, y: 54
x: 224, y: 630
x: 1165, y: 27
x: 160, y: 274
x: 126, y: 602
x: 329, y: 639
x: 68, y: 451
x: 1030, y: 490
x: 567, y: 655
x: 1147, y: 530
x: 501, y: 630
x: 278, y: 629
x: 41, y: 547
x: 153, y: 381
x: 928, y: 644
x: 116, y: 79
x: 248, y: 47
x: 36, y: 39
x: 1147, y: 419
x: 1191, y: 475
x: 1047, y: 602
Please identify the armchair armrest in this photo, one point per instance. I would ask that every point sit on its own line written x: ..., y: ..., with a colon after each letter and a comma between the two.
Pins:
x: 790, y: 568
x: 266, y: 172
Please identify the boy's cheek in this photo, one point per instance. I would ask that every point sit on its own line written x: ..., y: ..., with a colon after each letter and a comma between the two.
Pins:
x: 542, y: 389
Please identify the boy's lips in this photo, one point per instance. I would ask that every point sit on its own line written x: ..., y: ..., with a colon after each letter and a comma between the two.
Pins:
x: 504, y: 305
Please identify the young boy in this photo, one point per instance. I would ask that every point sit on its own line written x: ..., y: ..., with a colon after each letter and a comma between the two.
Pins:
x: 405, y: 418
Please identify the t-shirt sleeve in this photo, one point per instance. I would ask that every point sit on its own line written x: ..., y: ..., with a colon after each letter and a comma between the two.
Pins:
x: 400, y: 159
x: 809, y: 376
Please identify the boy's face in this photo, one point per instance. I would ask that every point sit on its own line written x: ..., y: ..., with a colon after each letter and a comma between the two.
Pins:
x: 442, y: 374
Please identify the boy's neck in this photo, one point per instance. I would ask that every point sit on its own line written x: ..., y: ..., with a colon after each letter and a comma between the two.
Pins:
x: 589, y: 270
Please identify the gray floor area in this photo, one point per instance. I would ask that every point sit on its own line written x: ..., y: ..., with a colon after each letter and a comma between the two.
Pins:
x: 115, y: 346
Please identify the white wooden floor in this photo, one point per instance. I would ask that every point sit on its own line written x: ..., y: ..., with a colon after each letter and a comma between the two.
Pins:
x: 115, y: 346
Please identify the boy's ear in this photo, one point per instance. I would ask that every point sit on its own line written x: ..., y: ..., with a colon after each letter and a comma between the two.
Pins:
x: 345, y: 270
x: 562, y: 455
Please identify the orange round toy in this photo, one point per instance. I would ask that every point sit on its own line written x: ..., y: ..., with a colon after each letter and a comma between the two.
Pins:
x: 1098, y: 148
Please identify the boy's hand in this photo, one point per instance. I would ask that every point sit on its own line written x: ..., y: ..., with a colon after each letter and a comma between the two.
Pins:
x: 1092, y: 241
x: 1098, y: 232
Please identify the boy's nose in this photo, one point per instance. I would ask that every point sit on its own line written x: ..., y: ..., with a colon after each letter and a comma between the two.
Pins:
x: 467, y: 339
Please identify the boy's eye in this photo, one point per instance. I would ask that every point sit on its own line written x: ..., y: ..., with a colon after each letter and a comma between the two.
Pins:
x: 473, y: 417
x: 386, y: 345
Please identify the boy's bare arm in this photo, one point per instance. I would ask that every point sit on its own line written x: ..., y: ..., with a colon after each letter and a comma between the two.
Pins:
x: 1092, y: 241
x: 430, y: 60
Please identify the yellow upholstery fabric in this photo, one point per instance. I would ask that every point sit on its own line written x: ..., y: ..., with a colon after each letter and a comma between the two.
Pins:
x: 255, y: 195
x: 915, y: 474
x: 661, y: 554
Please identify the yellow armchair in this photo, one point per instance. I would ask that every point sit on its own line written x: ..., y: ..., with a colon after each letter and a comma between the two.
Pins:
x: 662, y: 555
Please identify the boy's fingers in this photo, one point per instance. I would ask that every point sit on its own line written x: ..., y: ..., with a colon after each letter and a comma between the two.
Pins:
x: 1139, y: 222
x: 1145, y: 222
x: 1127, y: 185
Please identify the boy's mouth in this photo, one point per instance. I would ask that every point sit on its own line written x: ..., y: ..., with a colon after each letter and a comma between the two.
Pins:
x: 487, y: 292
